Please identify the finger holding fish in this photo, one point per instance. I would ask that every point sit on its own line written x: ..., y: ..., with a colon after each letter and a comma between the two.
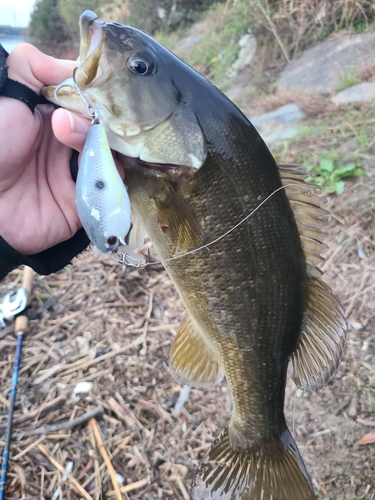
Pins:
x: 71, y: 129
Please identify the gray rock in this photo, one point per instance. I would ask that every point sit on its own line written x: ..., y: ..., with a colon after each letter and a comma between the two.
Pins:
x: 186, y: 44
x: 323, y: 68
x: 357, y: 93
x: 279, y: 124
x: 248, y: 46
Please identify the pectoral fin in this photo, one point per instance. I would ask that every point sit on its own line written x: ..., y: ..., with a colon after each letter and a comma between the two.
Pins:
x: 178, y: 221
x: 323, y: 334
x: 192, y: 362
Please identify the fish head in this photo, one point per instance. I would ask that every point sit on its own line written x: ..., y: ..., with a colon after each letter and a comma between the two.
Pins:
x: 132, y: 82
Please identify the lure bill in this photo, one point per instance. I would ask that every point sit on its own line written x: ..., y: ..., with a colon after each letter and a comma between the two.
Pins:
x: 102, y: 200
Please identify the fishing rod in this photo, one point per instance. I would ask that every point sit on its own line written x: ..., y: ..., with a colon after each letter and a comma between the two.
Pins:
x: 21, y: 327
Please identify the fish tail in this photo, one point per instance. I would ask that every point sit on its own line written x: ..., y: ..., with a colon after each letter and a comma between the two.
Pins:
x: 270, y: 471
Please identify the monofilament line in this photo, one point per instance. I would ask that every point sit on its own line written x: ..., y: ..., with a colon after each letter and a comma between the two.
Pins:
x: 226, y: 233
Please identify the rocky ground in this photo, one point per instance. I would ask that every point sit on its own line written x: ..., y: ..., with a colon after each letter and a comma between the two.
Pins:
x: 92, y: 322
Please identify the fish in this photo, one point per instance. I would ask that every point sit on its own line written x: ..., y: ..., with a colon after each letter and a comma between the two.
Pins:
x: 241, y: 239
x: 102, y: 200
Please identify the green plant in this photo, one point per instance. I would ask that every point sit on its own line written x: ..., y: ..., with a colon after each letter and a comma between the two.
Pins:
x: 330, y: 176
x: 218, y: 49
x: 348, y: 79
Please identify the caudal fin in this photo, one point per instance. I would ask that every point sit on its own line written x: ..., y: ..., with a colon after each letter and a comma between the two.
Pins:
x: 274, y: 471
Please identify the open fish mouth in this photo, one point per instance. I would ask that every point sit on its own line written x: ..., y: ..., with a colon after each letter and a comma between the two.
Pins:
x: 91, y: 50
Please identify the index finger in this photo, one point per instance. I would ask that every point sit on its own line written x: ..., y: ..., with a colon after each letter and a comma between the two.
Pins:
x: 28, y: 65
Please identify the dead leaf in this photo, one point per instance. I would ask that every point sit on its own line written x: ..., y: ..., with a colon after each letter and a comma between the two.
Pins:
x: 368, y: 438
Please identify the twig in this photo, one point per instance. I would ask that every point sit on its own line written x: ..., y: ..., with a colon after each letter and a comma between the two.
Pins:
x: 274, y: 30
x: 79, y: 365
x: 133, y: 486
x: 48, y: 429
x: 58, y: 323
x: 96, y: 464
x: 145, y: 326
x: 52, y: 405
x: 28, y: 448
x: 98, y: 437
x: 61, y: 469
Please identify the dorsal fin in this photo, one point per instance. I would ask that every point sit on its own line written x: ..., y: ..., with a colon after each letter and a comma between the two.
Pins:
x: 310, y: 217
x: 321, y: 342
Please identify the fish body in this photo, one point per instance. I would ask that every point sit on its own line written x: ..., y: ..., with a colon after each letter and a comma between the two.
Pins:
x: 195, y: 168
x: 102, y: 201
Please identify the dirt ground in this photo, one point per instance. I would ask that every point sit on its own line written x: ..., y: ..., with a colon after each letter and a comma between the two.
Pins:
x: 94, y: 322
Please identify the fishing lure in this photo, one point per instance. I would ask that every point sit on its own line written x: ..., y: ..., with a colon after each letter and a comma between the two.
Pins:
x: 102, y: 200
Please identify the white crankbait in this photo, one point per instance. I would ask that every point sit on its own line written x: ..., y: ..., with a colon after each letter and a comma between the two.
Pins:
x: 102, y: 200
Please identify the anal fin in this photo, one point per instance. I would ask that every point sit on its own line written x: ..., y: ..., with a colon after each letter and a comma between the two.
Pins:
x: 322, y: 339
x: 268, y: 471
x: 192, y: 362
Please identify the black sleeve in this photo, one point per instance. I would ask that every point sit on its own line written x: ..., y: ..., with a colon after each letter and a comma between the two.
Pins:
x: 49, y: 261
x: 55, y: 258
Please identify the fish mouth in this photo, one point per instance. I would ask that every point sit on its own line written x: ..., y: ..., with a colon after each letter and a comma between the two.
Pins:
x: 92, y: 67
x: 92, y: 37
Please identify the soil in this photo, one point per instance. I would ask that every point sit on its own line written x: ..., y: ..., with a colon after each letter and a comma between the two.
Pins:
x: 94, y: 322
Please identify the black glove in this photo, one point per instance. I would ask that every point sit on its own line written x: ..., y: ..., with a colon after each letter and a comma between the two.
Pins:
x: 58, y: 256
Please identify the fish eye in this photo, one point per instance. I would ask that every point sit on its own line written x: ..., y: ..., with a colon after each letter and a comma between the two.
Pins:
x: 140, y: 65
x: 112, y: 242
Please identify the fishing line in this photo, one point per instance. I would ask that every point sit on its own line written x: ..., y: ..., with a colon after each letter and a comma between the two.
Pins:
x: 123, y: 256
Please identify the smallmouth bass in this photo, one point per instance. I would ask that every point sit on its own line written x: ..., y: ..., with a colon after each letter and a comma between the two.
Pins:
x: 195, y: 167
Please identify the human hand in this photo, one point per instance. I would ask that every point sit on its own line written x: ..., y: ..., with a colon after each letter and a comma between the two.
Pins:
x: 37, y: 192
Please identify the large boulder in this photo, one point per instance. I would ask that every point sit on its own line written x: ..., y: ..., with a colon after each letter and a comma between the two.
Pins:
x: 323, y: 68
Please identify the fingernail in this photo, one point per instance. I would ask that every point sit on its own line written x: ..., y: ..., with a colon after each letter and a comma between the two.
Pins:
x: 78, y: 125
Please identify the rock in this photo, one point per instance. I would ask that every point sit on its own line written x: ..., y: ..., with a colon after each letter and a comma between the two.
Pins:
x: 248, y: 46
x: 187, y: 44
x: 357, y: 93
x: 278, y: 124
x: 323, y: 68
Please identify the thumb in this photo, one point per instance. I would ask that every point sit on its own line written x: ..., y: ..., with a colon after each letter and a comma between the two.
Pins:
x: 70, y: 128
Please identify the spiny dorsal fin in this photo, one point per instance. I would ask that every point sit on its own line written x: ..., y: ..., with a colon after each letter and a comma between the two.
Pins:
x: 321, y: 342
x: 191, y: 361
x: 272, y: 470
